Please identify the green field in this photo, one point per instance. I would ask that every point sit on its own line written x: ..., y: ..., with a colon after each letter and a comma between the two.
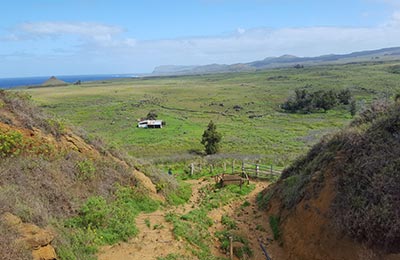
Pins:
x: 259, y: 130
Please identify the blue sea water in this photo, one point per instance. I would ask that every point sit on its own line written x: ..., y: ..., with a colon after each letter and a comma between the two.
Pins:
x: 6, y: 83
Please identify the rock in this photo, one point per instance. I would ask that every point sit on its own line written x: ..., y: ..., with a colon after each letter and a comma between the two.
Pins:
x: 39, y: 239
x: 10, y: 219
x: 44, y: 253
x: 32, y: 237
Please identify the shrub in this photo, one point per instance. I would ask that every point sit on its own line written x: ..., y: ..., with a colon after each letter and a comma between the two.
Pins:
x: 113, y: 221
x: 86, y: 169
x: 152, y: 115
x: 11, y: 143
x: 306, y: 102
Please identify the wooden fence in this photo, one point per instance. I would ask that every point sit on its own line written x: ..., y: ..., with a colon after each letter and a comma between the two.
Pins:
x: 238, y: 167
x: 259, y: 171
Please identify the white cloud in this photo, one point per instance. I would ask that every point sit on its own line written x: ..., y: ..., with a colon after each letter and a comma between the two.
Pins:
x: 95, y: 33
x: 91, y: 30
x: 108, y: 49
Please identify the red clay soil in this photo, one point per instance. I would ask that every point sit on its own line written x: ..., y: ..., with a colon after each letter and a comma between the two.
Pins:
x: 307, y: 232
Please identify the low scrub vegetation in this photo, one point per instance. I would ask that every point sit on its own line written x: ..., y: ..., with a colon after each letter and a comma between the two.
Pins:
x: 364, y: 162
x: 102, y: 222
x: 306, y: 102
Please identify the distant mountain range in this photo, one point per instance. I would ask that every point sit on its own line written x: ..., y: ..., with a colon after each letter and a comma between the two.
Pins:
x: 281, y: 62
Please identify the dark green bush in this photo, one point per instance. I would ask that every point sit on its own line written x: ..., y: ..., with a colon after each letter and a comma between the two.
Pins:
x: 307, y: 102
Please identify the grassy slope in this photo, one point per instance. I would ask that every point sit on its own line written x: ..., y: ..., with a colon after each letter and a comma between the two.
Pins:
x: 111, y: 109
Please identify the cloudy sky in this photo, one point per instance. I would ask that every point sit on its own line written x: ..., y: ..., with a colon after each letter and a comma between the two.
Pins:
x: 67, y: 37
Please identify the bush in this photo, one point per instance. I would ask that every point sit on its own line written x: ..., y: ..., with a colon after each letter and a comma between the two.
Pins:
x: 307, y: 102
x: 86, y: 169
x: 113, y: 221
x: 11, y: 143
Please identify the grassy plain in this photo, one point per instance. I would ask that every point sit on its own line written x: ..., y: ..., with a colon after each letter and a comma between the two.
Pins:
x: 259, y: 130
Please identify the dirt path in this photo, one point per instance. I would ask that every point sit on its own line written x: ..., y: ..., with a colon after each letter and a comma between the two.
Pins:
x: 156, y: 239
x: 252, y: 224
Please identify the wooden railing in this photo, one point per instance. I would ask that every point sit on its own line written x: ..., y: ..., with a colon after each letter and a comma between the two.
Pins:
x: 252, y: 170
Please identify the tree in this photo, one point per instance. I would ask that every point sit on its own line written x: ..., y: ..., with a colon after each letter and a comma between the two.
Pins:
x: 211, y: 139
x: 152, y: 115
x: 344, y: 96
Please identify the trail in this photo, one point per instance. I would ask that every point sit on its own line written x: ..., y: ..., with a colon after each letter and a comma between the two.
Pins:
x: 252, y: 224
x: 156, y: 239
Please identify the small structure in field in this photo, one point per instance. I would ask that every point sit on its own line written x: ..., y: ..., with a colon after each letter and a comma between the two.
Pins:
x: 226, y: 179
x: 150, y: 124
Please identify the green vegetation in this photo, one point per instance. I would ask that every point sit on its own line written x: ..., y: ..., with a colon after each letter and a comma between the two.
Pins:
x: 147, y: 222
x: 181, y: 195
x: 245, y: 106
x: 211, y: 139
x: 101, y: 222
x: 274, y: 224
x: 193, y: 226
x: 174, y: 257
x: 11, y: 143
x: 86, y: 169
x: 307, y: 102
x: 242, y: 252
x: 228, y: 222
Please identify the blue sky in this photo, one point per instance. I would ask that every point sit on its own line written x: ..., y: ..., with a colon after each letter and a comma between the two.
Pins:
x: 61, y: 37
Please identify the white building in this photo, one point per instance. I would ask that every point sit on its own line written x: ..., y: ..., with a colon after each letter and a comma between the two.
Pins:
x: 150, y: 124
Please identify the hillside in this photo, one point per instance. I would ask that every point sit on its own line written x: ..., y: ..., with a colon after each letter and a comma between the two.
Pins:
x: 341, y: 200
x: 57, y: 187
x: 283, y: 61
x: 53, y: 81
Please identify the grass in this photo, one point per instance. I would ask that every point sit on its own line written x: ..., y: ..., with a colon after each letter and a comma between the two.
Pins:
x: 274, y: 224
x: 193, y: 226
x: 188, y: 103
x: 100, y: 222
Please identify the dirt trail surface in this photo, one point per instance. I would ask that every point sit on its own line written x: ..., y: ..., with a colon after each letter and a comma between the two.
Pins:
x: 252, y: 224
x: 156, y: 239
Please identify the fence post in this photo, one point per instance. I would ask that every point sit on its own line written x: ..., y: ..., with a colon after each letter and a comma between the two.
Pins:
x: 242, y: 168
x: 211, y: 168
x: 224, y: 166
x: 271, y: 169
x: 191, y: 169
x: 231, y: 247
x: 257, y: 170
x: 233, y: 166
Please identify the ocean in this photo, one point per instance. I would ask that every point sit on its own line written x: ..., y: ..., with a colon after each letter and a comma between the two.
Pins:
x: 6, y: 83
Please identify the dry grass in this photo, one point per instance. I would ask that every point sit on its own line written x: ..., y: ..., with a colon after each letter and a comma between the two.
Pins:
x: 9, y: 250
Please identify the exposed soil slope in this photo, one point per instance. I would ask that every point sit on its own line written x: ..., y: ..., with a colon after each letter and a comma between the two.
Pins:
x: 342, y: 201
